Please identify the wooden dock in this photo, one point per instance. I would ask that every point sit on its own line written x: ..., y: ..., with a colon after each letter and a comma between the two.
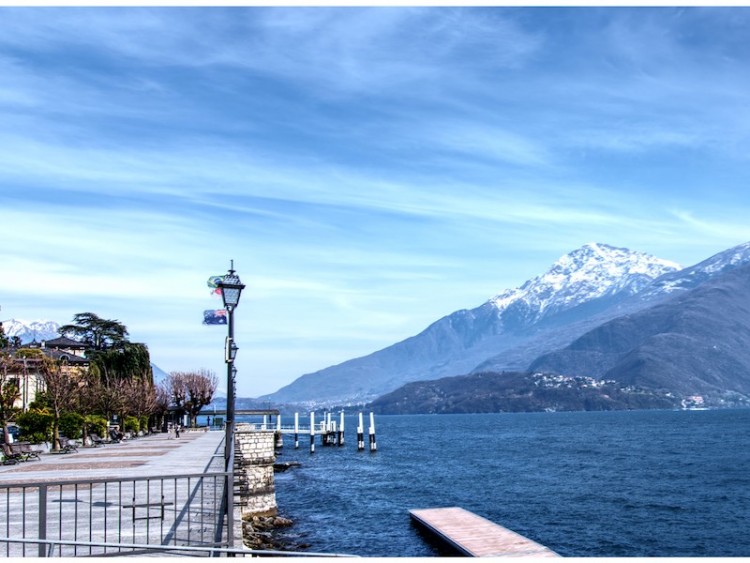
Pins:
x: 474, y: 536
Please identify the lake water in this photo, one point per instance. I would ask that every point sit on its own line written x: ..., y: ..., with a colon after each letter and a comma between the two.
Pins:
x: 638, y: 483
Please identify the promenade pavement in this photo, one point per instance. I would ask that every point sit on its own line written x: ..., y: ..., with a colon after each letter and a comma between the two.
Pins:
x: 147, y: 456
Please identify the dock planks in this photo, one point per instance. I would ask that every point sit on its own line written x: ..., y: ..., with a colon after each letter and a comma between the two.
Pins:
x: 475, y: 536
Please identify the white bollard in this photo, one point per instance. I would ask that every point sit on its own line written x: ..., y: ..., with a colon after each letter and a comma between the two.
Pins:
x: 312, y: 432
x: 341, y: 429
x: 279, y: 434
x: 373, y: 443
x: 296, y: 430
x: 360, y: 434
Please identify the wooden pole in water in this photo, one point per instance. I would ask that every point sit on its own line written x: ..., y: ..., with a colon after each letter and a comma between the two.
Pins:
x: 265, y: 422
x: 341, y: 429
x: 360, y: 434
x: 312, y: 432
x: 296, y: 430
x: 373, y: 443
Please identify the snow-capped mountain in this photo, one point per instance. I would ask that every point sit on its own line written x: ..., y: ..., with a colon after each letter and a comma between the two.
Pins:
x: 543, y: 314
x: 31, y: 330
x: 693, y: 276
x: 592, y: 272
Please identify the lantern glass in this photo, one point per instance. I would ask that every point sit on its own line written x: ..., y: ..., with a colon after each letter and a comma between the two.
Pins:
x: 230, y: 290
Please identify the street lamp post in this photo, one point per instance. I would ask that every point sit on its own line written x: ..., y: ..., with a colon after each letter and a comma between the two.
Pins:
x: 231, y: 288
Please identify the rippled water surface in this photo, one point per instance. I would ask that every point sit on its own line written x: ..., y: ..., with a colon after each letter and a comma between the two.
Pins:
x: 638, y: 483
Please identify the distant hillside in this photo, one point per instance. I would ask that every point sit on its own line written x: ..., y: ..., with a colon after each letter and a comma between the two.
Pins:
x: 696, y: 343
x: 517, y: 392
x: 545, y: 313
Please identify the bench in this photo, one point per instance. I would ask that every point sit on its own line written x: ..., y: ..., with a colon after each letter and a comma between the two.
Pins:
x: 66, y: 446
x: 25, y: 450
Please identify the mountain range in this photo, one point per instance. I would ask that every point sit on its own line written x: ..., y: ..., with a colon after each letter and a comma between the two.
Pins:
x: 31, y: 330
x: 560, y: 322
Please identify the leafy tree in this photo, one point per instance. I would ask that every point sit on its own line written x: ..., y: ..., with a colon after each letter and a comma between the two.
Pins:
x: 92, y: 329
x: 10, y: 392
x: 4, y: 342
x: 71, y: 425
x: 35, y: 425
x: 125, y: 361
x: 112, y: 355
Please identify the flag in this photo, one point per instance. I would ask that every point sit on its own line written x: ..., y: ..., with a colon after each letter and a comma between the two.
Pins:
x: 215, y: 317
x: 214, y: 281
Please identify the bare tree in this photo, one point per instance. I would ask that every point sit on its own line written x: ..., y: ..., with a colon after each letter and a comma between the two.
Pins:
x: 192, y: 390
x: 63, y: 388
x: 110, y: 397
x: 140, y: 397
x: 162, y: 402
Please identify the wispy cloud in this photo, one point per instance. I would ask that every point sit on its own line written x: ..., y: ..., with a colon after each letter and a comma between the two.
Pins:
x: 369, y: 169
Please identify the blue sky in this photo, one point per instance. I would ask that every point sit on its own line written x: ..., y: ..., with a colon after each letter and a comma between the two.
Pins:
x: 369, y: 170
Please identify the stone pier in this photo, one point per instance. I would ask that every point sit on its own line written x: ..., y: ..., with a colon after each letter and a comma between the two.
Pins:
x: 254, y: 459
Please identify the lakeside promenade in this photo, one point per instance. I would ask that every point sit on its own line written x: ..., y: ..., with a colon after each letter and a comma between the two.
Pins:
x: 147, y: 456
x: 146, y: 500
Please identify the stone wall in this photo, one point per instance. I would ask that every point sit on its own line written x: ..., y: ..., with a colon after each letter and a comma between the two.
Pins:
x: 254, y: 459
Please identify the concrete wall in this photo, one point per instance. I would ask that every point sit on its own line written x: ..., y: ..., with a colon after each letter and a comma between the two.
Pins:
x: 254, y: 459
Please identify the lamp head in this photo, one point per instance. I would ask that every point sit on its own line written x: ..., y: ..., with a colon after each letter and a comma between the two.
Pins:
x: 231, y: 288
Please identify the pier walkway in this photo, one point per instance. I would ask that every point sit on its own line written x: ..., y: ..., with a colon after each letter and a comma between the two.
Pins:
x: 474, y: 536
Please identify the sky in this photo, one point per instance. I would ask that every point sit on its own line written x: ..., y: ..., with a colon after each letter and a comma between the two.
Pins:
x: 368, y: 170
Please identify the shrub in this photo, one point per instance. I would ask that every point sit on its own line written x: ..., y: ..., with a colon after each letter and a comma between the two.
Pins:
x: 131, y: 424
x: 143, y: 420
x: 96, y: 425
x: 35, y: 425
x: 71, y: 425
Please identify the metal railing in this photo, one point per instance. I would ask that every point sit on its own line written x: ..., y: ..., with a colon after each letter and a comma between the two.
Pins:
x: 178, y: 515
x: 111, y: 516
x: 163, y: 550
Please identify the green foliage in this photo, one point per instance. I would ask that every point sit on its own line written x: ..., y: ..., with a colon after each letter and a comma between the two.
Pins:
x: 143, y: 423
x: 41, y: 401
x: 96, y: 424
x: 92, y: 329
x: 4, y: 342
x: 29, y: 353
x: 112, y: 355
x: 71, y: 425
x: 9, y: 389
x: 127, y: 361
x: 131, y: 424
x: 35, y: 425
